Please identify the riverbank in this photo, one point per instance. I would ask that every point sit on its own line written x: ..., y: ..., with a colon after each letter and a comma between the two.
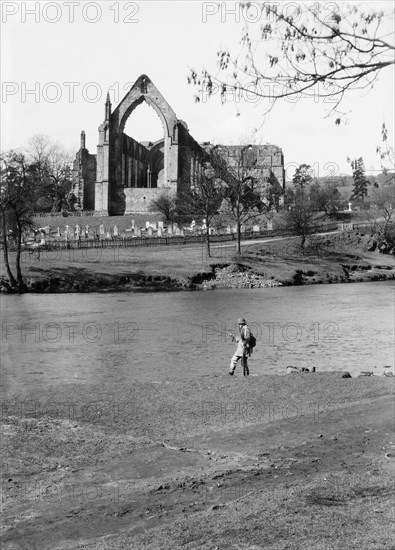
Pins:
x: 333, y: 258
x: 274, y: 462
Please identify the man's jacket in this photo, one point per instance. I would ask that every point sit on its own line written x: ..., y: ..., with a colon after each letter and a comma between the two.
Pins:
x: 242, y: 349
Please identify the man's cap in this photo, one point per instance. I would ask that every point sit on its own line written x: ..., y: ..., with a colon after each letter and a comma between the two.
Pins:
x: 241, y: 321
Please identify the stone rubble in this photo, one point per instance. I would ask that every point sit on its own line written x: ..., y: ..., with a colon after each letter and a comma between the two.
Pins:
x: 227, y: 277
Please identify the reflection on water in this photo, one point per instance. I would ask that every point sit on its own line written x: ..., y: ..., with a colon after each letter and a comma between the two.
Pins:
x: 53, y: 339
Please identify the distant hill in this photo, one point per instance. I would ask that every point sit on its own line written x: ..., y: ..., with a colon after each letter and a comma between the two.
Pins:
x: 345, y: 182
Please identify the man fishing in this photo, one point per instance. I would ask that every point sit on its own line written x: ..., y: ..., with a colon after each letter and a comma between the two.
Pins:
x: 243, y: 350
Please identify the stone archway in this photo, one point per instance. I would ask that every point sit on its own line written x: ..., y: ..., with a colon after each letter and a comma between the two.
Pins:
x: 112, y: 194
x: 164, y: 144
x: 125, y: 115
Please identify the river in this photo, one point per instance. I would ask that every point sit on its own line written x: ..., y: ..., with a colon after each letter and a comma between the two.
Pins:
x: 51, y: 339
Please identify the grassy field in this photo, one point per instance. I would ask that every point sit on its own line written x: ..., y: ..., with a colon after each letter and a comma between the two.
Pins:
x: 177, y: 262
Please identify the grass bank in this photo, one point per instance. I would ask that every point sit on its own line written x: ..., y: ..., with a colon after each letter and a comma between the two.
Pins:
x: 340, y: 257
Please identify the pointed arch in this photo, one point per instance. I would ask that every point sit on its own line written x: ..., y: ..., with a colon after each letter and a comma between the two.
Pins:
x: 144, y: 90
x: 129, y: 166
x: 152, y: 104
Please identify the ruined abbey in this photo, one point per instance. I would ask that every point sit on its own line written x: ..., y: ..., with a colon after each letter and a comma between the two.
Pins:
x: 126, y: 175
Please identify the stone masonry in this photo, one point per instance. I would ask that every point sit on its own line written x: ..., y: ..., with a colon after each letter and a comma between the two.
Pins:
x: 125, y: 175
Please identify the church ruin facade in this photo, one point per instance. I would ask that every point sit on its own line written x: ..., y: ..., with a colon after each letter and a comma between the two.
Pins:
x: 125, y: 175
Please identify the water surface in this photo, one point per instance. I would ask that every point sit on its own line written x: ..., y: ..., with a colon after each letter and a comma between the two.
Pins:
x: 91, y: 338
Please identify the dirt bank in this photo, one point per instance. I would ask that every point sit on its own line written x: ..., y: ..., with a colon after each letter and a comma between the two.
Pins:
x: 345, y: 257
x: 301, y: 461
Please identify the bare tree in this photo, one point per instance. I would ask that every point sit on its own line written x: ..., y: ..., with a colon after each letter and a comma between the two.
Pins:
x: 18, y: 197
x: 51, y: 169
x: 300, y: 219
x: 382, y: 203
x: 303, y: 50
x: 60, y: 176
x: 203, y: 198
x: 381, y: 215
x: 38, y: 152
x: 386, y: 153
x: 243, y: 184
x: 383, y: 199
x: 165, y: 205
x: 5, y: 221
x: 325, y: 197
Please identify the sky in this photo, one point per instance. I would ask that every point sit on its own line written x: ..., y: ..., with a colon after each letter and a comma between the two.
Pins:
x: 60, y: 58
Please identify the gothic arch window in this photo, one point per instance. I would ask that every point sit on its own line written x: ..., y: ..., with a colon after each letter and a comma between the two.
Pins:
x: 128, y: 122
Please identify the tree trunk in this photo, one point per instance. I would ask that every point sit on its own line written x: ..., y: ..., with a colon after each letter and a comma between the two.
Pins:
x: 238, y: 237
x: 11, y: 278
x: 208, y: 238
x: 21, y: 283
x: 302, y: 243
x: 238, y: 225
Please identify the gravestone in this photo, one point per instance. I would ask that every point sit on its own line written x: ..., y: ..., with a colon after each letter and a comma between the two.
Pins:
x: 101, y: 230
x: 149, y: 231
x: 160, y: 224
x: 115, y: 231
x: 66, y: 233
x: 349, y: 207
x: 138, y: 232
x: 177, y: 231
x: 147, y: 225
x: 86, y: 231
x: 154, y: 226
x: 170, y: 230
x: 77, y: 232
x: 108, y: 235
x: 160, y: 229
x: 133, y: 224
x: 58, y: 232
x: 228, y: 230
x: 256, y: 228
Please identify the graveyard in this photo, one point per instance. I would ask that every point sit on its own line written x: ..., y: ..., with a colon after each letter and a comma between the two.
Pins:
x: 58, y: 229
